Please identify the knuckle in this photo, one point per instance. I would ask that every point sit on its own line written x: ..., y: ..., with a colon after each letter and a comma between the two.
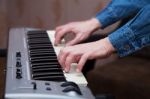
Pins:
x: 64, y: 50
x: 57, y: 28
x: 71, y: 23
x: 72, y: 54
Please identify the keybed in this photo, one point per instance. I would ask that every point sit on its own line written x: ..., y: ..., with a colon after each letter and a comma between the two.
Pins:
x: 43, y: 60
x: 73, y: 76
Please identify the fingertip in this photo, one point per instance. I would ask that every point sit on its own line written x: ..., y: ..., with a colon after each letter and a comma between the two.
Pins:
x: 82, y: 62
x: 55, y: 43
x: 78, y: 70
x: 63, y: 67
x: 66, y: 70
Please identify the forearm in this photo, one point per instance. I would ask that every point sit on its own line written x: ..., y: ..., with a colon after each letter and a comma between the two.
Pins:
x: 134, y: 35
x: 119, y: 9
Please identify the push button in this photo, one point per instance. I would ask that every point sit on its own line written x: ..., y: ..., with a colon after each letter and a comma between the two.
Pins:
x: 18, y: 75
x: 34, y: 85
x: 48, y: 88
x: 18, y: 54
x: 18, y: 64
x: 47, y: 84
x: 71, y: 88
x: 69, y: 84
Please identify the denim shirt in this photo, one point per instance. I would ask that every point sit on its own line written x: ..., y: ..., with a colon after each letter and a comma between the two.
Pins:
x: 135, y: 34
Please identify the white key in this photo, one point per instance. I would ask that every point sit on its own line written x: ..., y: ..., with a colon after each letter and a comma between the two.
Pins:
x: 72, y: 75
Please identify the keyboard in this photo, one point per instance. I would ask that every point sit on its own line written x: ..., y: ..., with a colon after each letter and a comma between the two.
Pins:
x: 33, y: 71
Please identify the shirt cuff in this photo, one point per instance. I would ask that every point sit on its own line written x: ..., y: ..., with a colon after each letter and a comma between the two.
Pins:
x: 106, y: 17
x: 123, y: 41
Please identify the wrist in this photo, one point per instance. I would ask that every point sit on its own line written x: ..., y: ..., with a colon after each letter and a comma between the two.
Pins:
x: 108, y: 46
x: 94, y: 23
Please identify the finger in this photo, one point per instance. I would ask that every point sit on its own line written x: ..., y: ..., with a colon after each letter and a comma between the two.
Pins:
x: 82, y: 62
x: 57, y: 30
x: 62, y: 58
x: 74, y: 41
x: 70, y: 59
x: 59, y: 27
x: 60, y: 34
x: 59, y: 56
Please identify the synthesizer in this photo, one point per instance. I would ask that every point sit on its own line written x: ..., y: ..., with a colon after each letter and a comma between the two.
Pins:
x: 33, y: 71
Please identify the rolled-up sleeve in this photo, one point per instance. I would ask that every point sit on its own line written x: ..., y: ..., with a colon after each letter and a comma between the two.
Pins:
x: 119, y: 9
x: 134, y: 35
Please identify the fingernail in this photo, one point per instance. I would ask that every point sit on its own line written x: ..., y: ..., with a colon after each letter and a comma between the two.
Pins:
x: 54, y: 43
x: 66, y: 70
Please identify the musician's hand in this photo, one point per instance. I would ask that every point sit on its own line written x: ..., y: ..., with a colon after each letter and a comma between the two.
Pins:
x: 82, y: 52
x: 82, y: 30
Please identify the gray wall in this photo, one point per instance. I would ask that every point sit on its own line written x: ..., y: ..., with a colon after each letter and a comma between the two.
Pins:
x: 45, y: 14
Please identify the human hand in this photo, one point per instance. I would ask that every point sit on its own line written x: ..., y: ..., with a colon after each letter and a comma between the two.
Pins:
x: 82, y: 52
x: 82, y: 30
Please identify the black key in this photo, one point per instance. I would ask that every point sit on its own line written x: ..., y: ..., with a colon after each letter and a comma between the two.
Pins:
x: 46, y: 70
x: 45, y: 66
x: 45, y: 63
x: 43, y: 60
x: 49, y: 78
x: 35, y: 75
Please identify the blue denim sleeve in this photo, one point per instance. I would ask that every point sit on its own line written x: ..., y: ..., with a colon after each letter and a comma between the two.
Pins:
x: 134, y: 35
x: 119, y: 9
